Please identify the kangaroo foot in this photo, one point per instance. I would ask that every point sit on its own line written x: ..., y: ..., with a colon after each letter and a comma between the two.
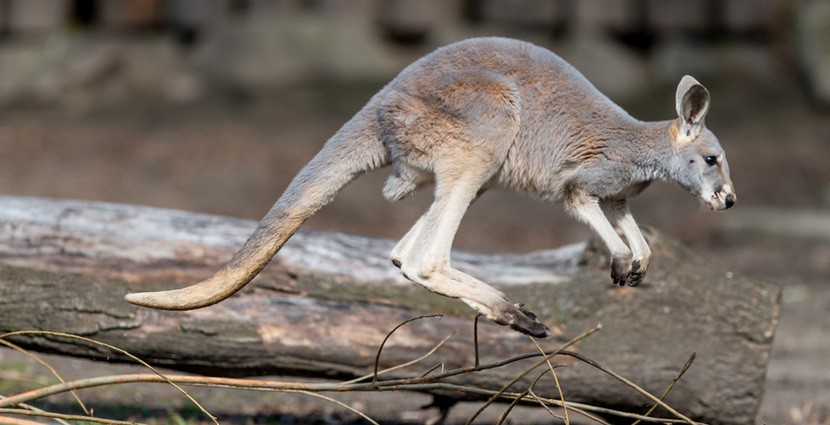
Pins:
x: 625, y: 271
x: 527, y: 323
x: 638, y: 273
x: 620, y: 270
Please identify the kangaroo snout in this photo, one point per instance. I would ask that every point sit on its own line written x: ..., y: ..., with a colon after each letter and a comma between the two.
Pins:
x: 724, y: 198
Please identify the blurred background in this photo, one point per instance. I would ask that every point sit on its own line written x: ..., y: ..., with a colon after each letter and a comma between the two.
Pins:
x: 214, y: 105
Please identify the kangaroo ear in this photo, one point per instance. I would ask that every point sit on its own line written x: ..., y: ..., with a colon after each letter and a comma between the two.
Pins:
x: 692, y: 102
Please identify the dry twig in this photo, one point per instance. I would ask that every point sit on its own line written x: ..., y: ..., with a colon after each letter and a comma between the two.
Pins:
x: 425, y: 382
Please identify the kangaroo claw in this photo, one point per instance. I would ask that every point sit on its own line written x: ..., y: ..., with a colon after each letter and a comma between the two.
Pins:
x: 620, y: 271
x: 527, y: 323
x: 624, y: 272
x: 635, y: 278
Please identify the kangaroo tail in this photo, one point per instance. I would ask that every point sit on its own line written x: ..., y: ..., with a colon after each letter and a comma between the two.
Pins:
x: 354, y: 150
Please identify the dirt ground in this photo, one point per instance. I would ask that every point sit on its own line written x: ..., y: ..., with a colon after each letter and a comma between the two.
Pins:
x: 233, y: 152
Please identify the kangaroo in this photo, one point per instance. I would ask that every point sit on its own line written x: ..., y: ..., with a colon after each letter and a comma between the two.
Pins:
x: 480, y: 114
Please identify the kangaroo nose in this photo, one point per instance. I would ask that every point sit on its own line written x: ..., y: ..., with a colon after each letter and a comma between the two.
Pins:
x: 729, y: 201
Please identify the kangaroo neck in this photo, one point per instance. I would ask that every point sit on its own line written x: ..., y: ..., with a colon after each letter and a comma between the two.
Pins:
x: 650, y: 147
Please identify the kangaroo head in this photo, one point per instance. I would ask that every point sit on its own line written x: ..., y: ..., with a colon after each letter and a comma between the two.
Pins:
x: 699, y: 164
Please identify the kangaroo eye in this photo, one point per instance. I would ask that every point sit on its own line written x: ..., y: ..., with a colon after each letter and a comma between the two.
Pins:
x: 710, y: 160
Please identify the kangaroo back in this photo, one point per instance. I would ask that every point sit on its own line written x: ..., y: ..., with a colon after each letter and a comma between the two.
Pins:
x: 355, y: 149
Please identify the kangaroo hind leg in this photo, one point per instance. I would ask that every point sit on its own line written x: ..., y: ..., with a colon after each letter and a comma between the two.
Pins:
x: 424, y: 257
x: 457, y: 131
x: 618, y: 213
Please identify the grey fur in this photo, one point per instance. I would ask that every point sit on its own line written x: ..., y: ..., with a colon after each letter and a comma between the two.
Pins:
x: 483, y: 113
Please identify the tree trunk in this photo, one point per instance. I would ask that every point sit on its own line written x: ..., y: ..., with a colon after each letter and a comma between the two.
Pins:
x: 326, y: 301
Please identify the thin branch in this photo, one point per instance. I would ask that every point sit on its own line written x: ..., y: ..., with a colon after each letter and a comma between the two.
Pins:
x: 380, y: 349
x: 34, y: 409
x: 538, y: 399
x: 421, y: 383
x: 510, y: 407
x: 118, y: 350
x: 510, y: 395
x: 542, y: 403
x: 25, y: 412
x: 625, y: 381
x: 671, y: 386
x: 555, y: 380
x: 261, y: 385
x: 339, y: 403
x: 403, y: 365
x: 572, y: 406
x: 521, y: 376
x: 5, y: 420
x: 432, y: 369
x: 514, y: 359
x: 48, y: 367
x: 475, y: 339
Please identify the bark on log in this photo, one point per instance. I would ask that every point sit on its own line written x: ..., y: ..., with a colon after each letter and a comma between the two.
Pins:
x: 325, y: 303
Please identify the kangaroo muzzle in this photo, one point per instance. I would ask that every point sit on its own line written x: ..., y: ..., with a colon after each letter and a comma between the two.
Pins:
x: 722, y: 199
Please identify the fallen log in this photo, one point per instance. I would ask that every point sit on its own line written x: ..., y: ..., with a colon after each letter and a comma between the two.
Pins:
x: 327, y: 300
